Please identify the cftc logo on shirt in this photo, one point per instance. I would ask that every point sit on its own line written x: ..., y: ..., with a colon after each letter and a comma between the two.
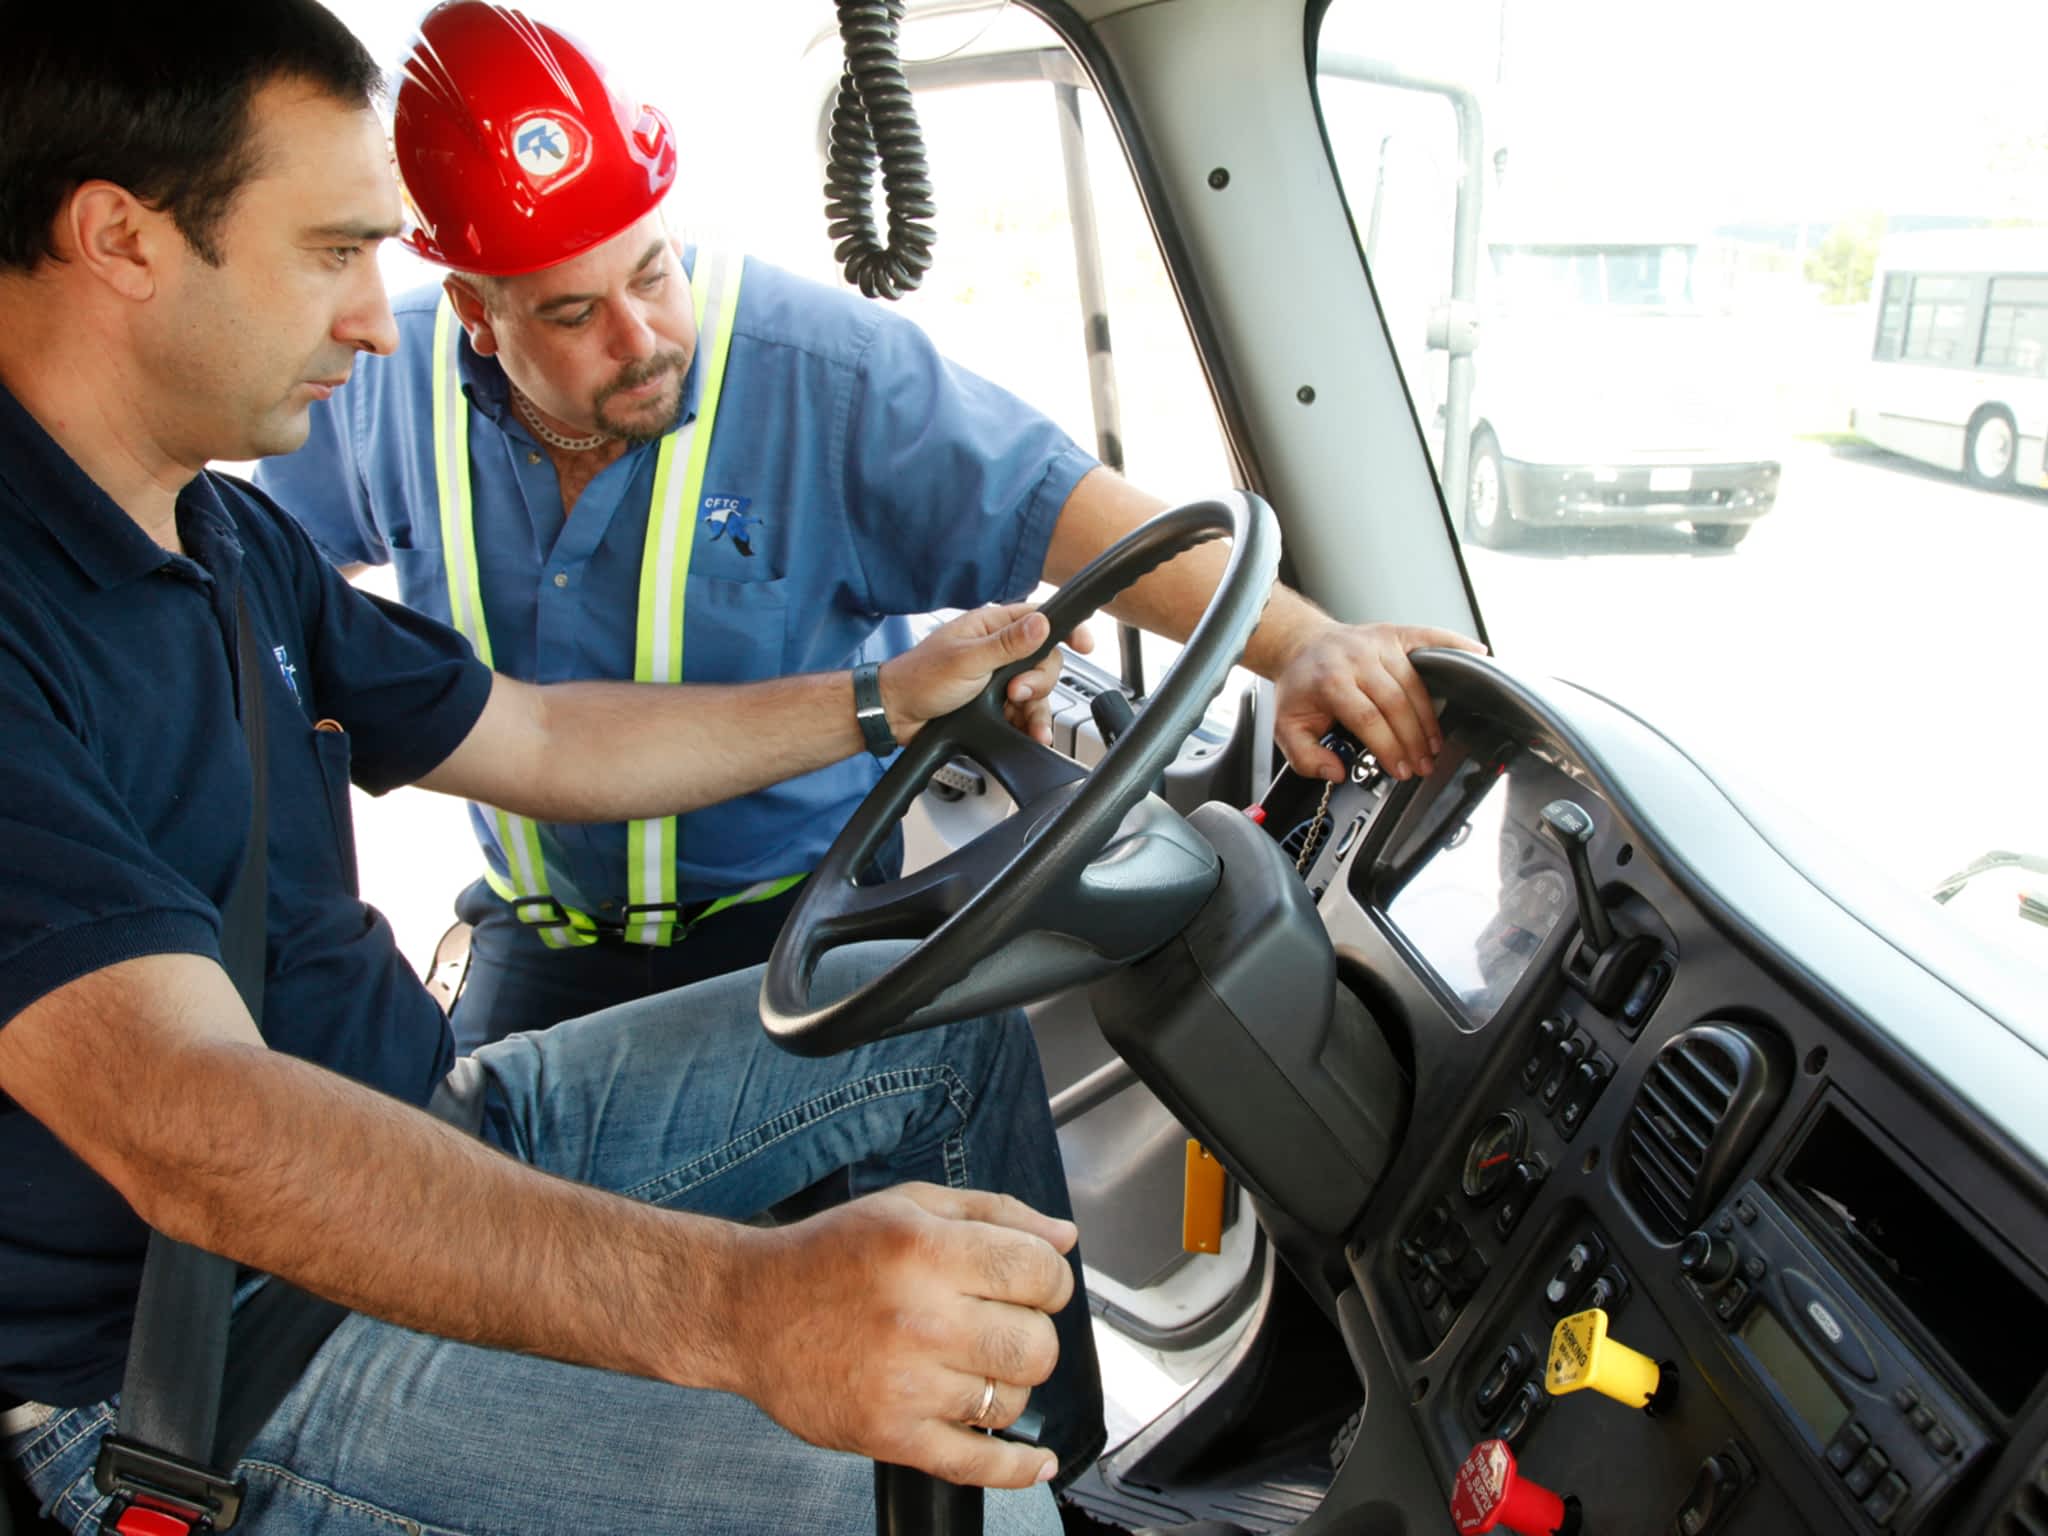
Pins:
x: 727, y: 517
x: 285, y: 668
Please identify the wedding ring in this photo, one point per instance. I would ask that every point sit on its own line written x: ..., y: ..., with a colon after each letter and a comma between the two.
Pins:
x: 988, y: 1403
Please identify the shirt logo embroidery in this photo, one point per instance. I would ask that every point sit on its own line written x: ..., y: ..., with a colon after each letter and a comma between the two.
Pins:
x: 285, y: 668
x: 727, y: 516
x: 541, y: 147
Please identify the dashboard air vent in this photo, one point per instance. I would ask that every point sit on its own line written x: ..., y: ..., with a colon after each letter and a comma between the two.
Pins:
x: 2026, y: 1512
x: 1702, y: 1105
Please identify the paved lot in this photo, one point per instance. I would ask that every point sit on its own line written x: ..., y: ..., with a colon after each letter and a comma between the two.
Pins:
x: 1870, y: 655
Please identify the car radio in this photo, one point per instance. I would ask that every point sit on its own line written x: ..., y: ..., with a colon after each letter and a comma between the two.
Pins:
x: 1893, y: 1439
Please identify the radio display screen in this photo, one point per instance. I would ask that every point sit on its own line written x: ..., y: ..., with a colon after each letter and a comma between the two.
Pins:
x: 1476, y: 890
x: 1793, y: 1372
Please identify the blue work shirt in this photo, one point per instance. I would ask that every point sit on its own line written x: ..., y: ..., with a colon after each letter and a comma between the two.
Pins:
x: 124, y: 815
x: 854, y: 475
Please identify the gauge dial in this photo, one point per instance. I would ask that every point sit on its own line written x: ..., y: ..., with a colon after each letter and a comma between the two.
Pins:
x: 1491, y: 1157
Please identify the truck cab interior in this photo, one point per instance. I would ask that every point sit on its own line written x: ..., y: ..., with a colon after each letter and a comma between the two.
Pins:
x: 1614, y: 1113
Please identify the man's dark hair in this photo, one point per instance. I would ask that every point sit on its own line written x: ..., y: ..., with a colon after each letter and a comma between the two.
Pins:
x: 154, y: 96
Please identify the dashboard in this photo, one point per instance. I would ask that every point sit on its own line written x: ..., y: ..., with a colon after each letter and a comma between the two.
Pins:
x: 1712, y: 1212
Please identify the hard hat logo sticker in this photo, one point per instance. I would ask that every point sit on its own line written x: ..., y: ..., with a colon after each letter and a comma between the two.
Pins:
x: 541, y: 146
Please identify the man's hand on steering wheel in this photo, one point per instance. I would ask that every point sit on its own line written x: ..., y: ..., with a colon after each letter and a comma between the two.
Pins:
x: 1359, y: 676
x: 955, y: 661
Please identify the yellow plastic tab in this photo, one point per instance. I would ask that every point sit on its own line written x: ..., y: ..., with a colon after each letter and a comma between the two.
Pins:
x: 1582, y: 1355
x: 1201, y: 1206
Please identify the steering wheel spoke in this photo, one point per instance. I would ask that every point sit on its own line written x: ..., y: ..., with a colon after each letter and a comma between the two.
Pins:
x: 1028, y: 770
x: 1032, y: 904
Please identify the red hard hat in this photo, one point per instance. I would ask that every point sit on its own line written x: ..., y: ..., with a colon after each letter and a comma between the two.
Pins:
x: 516, y: 152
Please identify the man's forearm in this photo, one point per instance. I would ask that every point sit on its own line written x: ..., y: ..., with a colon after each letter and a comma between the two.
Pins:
x: 277, y: 1164
x: 1170, y: 601
x: 615, y: 751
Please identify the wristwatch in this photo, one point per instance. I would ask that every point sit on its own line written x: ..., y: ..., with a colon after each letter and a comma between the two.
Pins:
x: 867, y: 709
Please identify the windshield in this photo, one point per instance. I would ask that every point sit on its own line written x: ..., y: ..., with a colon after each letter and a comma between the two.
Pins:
x: 1774, y: 481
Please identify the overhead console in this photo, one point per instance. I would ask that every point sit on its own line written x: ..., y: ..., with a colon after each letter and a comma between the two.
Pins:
x: 1672, y: 1234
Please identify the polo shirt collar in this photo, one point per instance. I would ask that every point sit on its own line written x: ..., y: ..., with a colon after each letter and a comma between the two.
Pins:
x: 103, y: 541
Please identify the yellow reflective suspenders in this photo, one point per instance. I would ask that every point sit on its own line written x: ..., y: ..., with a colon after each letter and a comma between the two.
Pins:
x: 651, y: 915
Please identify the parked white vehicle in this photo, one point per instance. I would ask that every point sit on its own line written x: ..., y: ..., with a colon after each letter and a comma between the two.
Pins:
x: 1958, y: 369
x: 1606, y: 393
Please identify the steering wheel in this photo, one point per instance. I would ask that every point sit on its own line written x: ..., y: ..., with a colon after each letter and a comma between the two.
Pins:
x: 1031, y: 905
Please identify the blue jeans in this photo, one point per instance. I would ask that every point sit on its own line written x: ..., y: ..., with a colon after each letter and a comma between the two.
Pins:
x: 680, y: 1100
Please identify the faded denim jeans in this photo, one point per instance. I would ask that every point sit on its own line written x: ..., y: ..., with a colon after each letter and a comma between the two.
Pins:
x: 680, y: 1100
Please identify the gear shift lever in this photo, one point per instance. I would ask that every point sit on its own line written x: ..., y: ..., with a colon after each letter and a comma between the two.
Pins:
x: 1603, y: 964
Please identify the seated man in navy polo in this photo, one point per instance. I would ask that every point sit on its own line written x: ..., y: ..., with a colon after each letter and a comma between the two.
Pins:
x: 596, y: 437
x: 558, y: 1320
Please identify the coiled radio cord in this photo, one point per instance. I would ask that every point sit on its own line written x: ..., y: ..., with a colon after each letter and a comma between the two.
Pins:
x: 874, y: 120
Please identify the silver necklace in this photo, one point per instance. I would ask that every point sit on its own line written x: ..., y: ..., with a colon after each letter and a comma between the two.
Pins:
x: 530, y: 414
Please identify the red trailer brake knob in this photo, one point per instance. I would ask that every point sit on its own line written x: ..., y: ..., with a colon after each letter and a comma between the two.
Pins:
x: 1490, y: 1494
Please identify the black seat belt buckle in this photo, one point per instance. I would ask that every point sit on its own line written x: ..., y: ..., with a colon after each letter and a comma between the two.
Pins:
x: 158, y: 1494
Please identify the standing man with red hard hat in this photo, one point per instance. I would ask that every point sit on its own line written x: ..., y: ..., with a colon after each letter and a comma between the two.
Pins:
x: 601, y: 454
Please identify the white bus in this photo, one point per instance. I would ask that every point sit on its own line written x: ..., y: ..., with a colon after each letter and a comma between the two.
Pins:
x: 1958, y: 370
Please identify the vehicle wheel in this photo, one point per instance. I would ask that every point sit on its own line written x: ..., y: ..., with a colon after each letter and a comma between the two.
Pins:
x: 1487, y: 519
x: 1721, y: 535
x: 1990, y: 448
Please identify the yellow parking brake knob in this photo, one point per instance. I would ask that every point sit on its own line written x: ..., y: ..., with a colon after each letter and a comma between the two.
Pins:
x: 1582, y: 1355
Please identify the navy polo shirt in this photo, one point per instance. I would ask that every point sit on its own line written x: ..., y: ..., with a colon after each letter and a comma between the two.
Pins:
x: 124, y: 811
x: 855, y: 475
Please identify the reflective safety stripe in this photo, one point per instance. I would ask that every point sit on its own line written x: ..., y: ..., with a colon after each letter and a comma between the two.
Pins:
x: 658, y: 648
x: 519, y: 837
x: 664, y: 579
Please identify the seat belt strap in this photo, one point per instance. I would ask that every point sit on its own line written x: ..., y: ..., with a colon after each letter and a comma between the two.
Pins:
x: 157, y: 1464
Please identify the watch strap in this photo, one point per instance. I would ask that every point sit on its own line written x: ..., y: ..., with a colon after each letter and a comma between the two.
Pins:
x: 867, y: 709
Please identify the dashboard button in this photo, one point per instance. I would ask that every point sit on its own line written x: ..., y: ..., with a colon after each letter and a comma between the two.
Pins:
x: 1574, y: 1274
x: 1427, y: 1289
x: 1528, y: 1178
x: 1581, y: 1093
x: 1886, y: 1499
x: 1920, y: 1417
x: 1528, y: 1403
x: 1548, y: 1033
x: 1570, y: 1051
x: 1714, y: 1488
x: 1729, y: 1304
x: 1609, y: 1291
x: 1870, y: 1468
x: 1941, y: 1440
x: 1850, y: 1442
x: 1500, y: 1381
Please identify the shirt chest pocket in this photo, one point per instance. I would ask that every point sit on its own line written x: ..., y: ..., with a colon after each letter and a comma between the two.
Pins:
x: 736, y: 631
x: 329, y: 827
